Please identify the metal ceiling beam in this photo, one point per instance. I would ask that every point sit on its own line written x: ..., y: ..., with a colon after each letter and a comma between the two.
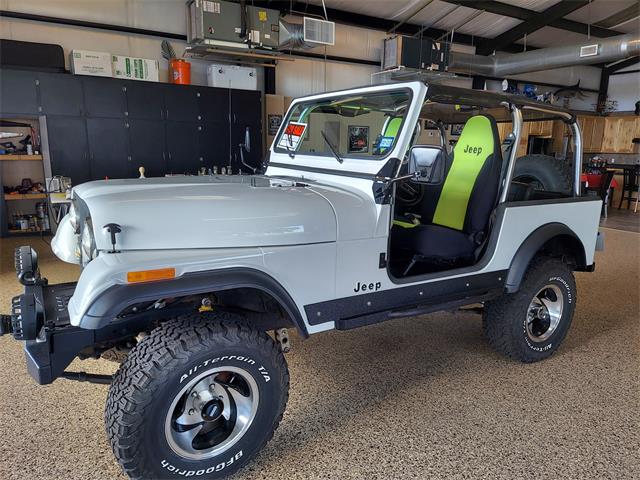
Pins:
x: 525, y: 14
x: 614, y: 67
x: 536, y: 22
x: 367, y: 21
x: 605, y: 75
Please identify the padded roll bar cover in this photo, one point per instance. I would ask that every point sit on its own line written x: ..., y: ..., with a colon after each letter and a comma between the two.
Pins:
x: 532, y: 245
x: 118, y: 297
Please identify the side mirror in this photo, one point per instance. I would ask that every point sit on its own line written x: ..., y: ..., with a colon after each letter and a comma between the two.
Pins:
x: 246, y: 146
x: 427, y: 164
x: 247, y: 139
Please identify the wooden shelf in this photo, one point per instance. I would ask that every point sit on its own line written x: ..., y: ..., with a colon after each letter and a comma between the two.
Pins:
x: 27, y: 196
x: 28, y: 232
x: 18, y: 158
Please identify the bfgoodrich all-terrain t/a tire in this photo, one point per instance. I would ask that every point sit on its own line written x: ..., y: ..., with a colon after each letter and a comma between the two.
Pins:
x: 197, y: 398
x: 529, y: 325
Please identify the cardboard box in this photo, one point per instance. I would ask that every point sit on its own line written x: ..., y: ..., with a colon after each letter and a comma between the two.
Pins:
x: 85, y: 62
x: 135, y: 68
x: 275, y: 109
x: 287, y: 103
x: 273, y: 113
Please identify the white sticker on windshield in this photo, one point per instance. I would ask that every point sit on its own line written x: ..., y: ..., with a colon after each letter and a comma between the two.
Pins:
x: 292, y: 135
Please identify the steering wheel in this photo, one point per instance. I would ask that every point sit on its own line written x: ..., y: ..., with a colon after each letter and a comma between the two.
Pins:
x: 409, y: 193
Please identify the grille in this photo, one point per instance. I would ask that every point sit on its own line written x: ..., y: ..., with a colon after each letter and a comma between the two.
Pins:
x: 319, y: 31
x: 16, y: 317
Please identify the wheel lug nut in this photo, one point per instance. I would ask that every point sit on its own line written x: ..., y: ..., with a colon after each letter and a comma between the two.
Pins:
x: 191, y: 411
x: 212, y: 386
x: 194, y: 394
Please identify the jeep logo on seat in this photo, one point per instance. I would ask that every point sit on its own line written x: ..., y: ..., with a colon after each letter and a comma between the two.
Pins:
x: 470, y: 149
x: 363, y: 287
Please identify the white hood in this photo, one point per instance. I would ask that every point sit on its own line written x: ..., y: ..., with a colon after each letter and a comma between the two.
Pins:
x: 206, y: 212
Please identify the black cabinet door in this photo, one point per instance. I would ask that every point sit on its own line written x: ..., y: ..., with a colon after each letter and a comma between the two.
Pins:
x: 214, y: 144
x: 246, y: 107
x: 214, y: 104
x: 18, y: 92
x: 68, y: 148
x: 60, y: 94
x: 182, y: 147
x: 104, y: 97
x: 147, y: 142
x: 254, y: 156
x: 181, y: 103
x: 145, y: 100
x: 109, y: 148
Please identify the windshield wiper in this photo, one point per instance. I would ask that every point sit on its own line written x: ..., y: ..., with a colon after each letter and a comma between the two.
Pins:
x: 331, y: 147
x: 290, y: 151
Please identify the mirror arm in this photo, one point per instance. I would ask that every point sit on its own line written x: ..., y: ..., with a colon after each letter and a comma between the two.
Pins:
x: 245, y: 164
x: 391, y: 181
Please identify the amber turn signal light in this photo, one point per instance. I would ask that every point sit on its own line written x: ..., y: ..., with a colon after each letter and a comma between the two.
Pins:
x: 151, y: 275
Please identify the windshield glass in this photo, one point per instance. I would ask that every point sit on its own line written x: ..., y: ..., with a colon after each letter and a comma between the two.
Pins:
x: 350, y: 126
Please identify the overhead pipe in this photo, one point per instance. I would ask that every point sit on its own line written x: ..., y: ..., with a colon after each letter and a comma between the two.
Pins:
x: 608, y: 50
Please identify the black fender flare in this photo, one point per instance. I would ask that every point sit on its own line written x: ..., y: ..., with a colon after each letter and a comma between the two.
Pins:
x: 118, y: 297
x: 531, y: 246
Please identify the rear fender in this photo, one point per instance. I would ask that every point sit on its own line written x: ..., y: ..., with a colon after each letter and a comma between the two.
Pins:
x: 555, y: 238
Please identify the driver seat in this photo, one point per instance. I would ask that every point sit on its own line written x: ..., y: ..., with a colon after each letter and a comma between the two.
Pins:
x: 464, y: 205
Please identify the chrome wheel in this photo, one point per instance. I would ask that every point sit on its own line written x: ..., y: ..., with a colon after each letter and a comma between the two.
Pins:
x: 544, y: 313
x: 211, y: 413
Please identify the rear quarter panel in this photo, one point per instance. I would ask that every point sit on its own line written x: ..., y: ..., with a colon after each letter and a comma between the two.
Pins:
x: 521, y: 219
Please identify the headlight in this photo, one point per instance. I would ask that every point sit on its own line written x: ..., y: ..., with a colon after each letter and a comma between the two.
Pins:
x: 74, y: 218
x: 88, y: 243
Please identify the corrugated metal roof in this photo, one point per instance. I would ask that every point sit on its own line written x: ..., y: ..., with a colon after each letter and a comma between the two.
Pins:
x: 552, y: 37
x: 537, y: 5
x: 466, y: 19
x: 599, y: 10
x: 489, y: 25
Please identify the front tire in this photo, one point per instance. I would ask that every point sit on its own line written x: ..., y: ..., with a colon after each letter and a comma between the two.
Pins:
x: 198, y: 397
x: 530, y: 325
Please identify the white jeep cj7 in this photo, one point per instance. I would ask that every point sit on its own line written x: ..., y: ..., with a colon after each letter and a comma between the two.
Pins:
x: 375, y: 203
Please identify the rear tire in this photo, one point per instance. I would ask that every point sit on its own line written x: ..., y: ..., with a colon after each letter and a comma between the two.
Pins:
x: 530, y: 325
x: 198, y: 397
x: 544, y: 173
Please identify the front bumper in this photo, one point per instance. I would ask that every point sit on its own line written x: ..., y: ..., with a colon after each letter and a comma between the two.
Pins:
x: 40, y: 318
x: 42, y: 310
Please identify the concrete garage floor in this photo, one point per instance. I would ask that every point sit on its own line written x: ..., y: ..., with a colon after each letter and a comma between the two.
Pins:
x: 413, y: 398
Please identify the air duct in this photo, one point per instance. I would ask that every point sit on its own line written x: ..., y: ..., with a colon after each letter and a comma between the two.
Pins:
x: 601, y: 51
x: 292, y: 36
x: 309, y: 34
